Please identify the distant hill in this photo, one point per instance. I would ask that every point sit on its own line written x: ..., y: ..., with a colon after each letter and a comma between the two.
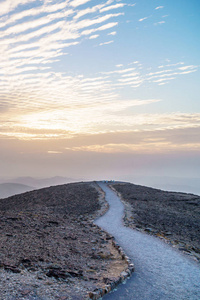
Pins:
x: 41, y: 182
x: 9, y: 189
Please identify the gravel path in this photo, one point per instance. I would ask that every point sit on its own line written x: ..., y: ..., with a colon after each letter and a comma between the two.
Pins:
x: 161, y: 272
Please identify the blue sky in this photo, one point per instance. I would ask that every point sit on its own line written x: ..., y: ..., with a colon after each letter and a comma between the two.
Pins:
x: 88, y: 77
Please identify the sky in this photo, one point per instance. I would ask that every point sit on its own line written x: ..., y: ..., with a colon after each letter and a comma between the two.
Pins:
x: 92, y: 89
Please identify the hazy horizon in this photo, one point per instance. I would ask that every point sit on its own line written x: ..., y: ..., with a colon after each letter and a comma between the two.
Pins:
x: 99, y: 89
x: 176, y: 184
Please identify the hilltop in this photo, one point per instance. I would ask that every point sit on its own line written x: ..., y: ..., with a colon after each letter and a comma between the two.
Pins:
x: 50, y: 248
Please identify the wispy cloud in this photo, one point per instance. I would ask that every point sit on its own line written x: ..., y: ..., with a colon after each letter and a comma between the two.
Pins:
x: 191, y: 67
x: 54, y: 152
x: 52, y: 19
x: 7, y: 6
x: 111, y: 7
x: 137, y: 76
x: 94, y: 36
x: 119, y: 71
x: 112, y: 33
x: 101, y: 28
x: 32, y: 92
x: 142, y: 141
x: 142, y: 19
x: 159, y: 7
x: 76, y: 3
x: 159, y: 23
x: 106, y: 43
x: 131, y: 4
x: 29, y: 47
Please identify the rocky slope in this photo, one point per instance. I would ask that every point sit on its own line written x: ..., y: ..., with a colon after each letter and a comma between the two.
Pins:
x: 50, y: 249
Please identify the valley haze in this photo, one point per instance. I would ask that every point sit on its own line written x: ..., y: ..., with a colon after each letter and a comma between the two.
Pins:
x: 12, y: 186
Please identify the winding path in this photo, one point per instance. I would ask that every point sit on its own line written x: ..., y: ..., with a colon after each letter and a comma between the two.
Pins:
x: 161, y: 272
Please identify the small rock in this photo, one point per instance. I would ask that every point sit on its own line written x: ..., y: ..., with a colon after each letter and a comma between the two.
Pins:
x: 13, y: 269
x: 25, y: 292
x: 57, y: 273
x: 148, y: 229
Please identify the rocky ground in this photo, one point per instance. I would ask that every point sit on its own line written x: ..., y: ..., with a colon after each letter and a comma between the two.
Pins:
x: 50, y: 249
x: 174, y: 217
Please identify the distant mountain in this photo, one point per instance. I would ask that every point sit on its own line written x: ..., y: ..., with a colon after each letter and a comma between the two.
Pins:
x: 42, y: 182
x: 10, y: 189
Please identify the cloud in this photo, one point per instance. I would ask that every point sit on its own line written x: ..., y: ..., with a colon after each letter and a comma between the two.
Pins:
x: 119, y: 71
x: 101, y: 28
x: 8, y: 5
x: 142, y: 19
x: 159, y: 23
x: 106, y: 43
x: 131, y: 4
x: 94, y: 36
x: 159, y: 7
x: 135, y: 77
x: 115, y: 6
x: 33, y: 92
x: 187, y: 72
x: 97, y: 8
x: 164, y: 79
x: 106, y: 127
x: 158, y: 141
x: 112, y: 33
x: 33, y: 12
x: 89, y: 10
x: 83, y: 115
x: 26, y: 44
x: 191, y: 67
x: 54, y: 152
x: 89, y: 22
x: 76, y: 3
x: 176, y: 64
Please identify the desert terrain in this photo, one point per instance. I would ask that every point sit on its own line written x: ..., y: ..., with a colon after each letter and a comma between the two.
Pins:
x: 50, y: 249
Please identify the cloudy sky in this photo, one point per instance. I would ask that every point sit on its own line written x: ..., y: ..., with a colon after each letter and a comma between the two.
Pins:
x: 90, y: 87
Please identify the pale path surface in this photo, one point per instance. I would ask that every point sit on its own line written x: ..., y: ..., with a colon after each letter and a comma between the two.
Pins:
x: 161, y: 272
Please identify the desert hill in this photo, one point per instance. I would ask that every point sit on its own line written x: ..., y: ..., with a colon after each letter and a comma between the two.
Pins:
x: 9, y: 189
x: 50, y: 249
x: 39, y: 182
